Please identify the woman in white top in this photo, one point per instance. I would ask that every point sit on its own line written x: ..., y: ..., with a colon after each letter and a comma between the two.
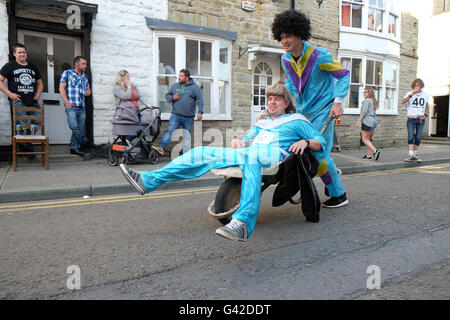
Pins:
x: 417, y: 111
x: 368, y: 123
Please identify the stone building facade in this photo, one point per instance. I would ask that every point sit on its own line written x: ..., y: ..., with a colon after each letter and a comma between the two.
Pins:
x: 232, y: 48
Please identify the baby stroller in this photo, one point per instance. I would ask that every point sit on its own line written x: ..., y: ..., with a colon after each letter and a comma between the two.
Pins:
x: 140, y: 148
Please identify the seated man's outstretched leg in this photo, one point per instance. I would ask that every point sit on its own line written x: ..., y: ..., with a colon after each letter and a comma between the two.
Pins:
x: 193, y: 164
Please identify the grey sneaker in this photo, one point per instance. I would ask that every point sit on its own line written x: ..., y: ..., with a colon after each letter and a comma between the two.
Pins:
x: 410, y: 158
x: 134, y: 178
x: 234, y: 230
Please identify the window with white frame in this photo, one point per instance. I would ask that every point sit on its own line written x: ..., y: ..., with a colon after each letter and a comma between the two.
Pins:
x: 351, y: 13
x: 208, y: 61
x: 378, y: 16
x: 382, y: 76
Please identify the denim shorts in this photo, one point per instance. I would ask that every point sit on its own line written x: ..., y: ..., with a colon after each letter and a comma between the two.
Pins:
x: 366, y: 128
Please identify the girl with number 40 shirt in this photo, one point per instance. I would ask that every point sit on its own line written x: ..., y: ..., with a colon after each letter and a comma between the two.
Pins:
x: 417, y: 111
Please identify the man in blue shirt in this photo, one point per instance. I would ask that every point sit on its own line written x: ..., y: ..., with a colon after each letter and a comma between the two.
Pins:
x: 311, y: 73
x: 271, y: 140
x: 73, y: 87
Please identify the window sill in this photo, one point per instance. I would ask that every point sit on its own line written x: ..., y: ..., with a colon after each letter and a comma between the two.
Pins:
x: 214, y: 117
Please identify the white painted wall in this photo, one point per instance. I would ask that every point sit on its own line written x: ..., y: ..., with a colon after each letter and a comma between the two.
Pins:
x: 368, y: 44
x: 120, y: 40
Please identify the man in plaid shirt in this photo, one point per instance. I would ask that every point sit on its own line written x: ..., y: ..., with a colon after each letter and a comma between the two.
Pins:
x: 73, y: 87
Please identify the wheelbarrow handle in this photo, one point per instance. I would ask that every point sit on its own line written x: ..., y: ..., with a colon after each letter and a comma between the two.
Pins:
x: 325, y: 126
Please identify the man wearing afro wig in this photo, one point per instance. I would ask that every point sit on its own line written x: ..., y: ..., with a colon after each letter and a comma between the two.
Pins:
x: 310, y: 77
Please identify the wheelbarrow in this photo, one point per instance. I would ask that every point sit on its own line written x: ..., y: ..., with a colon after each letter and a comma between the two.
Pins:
x: 226, y: 201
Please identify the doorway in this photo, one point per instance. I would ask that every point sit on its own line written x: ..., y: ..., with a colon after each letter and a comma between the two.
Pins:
x: 440, y: 116
x: 52, y: 54
x: 265, y: 73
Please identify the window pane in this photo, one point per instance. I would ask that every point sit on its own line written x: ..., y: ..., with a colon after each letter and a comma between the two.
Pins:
x: 345, y: 18
x: 369, y: 72
x: 269, y: 80
x: 205, y: 59
x: 166, y: 55
x: 389, y: 100
x: 63, y: 53
x: 378, y: 72
x: 356, y: 16
x: 37, y: 55
x: 390, y: 75
x: 381, y: 3
x: 392, y: 24
x: 223, y: 90
x: 345, y: 63
x: 371, y: 19
x: 379, y: 20
x: 356, y: 71
x: 205, y: 86
x: 223, y: 62
x: 192, y: 56
x: 354, y: 96
x: 164, y: 83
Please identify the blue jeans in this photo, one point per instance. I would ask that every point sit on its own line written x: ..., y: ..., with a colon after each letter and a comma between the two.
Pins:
x: 76, y: 117
x: 415, y: 128
x: 175, y: 122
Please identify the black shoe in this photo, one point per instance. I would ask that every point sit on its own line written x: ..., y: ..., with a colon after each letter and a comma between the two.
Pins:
x: 336, y: 202
x: 376, y: 155
x: 77, y: 151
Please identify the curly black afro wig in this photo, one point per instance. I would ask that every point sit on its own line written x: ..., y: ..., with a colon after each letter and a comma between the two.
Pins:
x: 291, y: 22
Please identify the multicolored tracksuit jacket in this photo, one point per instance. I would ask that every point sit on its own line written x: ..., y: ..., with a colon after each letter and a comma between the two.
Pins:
x: 270, y: 142
x: 311, y: 80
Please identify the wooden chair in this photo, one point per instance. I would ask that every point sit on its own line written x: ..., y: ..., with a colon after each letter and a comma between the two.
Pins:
x: 20, y: 138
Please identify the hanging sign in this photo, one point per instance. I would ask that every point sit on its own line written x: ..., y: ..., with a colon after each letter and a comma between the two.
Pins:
x: 248, y: 6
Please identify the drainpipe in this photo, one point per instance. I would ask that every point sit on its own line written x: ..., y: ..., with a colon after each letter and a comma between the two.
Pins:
x: 293, y: 4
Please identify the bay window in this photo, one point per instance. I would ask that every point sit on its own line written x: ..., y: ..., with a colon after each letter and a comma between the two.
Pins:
x: 207, y: 59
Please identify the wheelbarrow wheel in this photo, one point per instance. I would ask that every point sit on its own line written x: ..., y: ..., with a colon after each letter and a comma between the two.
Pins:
x: 228, y: 197
x: 113, y: 157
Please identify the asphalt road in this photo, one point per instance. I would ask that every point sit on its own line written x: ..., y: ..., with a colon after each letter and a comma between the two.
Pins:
x: 163, y: 245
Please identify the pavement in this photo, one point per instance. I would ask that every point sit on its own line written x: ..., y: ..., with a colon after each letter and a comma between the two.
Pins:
x: 71, y: 177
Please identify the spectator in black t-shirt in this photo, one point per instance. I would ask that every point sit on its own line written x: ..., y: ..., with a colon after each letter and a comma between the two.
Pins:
x: 24, y: 83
